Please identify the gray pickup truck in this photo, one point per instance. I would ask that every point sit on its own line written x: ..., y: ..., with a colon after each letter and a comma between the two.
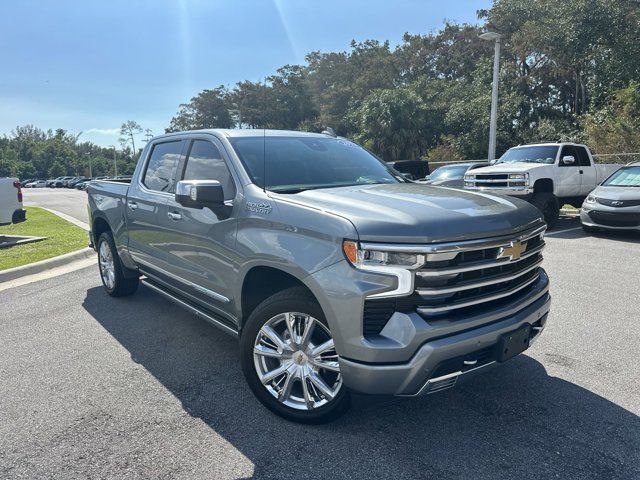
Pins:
x: 335, y: 272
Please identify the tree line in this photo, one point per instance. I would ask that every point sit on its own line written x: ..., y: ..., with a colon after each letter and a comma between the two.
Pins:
x: 569, y: 71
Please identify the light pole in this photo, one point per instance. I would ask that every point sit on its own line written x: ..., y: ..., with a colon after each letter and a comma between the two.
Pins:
x: 493, y: 120
x: 115, y: 163
x: 89, y: 155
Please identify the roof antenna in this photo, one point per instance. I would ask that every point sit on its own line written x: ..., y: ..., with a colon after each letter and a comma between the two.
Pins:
x: 329, y: 131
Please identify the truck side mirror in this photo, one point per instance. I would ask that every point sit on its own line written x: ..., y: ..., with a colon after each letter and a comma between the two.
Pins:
x: 200, y: 194
x: 568, y: 160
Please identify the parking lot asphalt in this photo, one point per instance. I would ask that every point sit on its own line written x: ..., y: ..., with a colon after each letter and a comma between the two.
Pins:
x: 66, y: 200
x: 96, y: 387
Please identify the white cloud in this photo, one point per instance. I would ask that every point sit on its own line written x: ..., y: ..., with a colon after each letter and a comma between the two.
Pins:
x: 104, y: 131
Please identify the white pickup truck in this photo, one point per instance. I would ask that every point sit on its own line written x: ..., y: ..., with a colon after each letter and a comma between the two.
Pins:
x: 548, y: 175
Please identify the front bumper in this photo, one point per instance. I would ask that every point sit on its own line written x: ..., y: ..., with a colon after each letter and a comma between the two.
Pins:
x: 441, y: 363
x: 587, y: 220
x: 525, y: 193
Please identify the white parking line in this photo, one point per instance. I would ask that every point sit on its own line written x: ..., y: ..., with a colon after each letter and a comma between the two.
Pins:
x: 562, y: 231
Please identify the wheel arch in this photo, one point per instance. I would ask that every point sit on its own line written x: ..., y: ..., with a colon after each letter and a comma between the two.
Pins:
x: 261, y: 282
x: 543, y: 185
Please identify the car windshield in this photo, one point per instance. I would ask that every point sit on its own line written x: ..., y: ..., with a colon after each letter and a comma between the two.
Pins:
x: 449, y: 172
x: 625, y: 177
x: 294, y: 164
x: 542, y: 154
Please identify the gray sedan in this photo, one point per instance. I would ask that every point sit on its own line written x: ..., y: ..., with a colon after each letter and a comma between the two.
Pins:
x: 615, y: 204
x: 451, y: 175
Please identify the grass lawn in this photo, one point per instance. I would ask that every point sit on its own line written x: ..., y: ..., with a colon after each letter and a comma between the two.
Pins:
x: 62, y: 237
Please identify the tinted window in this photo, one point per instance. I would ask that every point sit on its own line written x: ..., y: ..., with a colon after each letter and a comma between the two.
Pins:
x: 160, y: 173
x: 583, y: 157
x: 206, y: 163
x: 299, y: 163
x: 569, y: 150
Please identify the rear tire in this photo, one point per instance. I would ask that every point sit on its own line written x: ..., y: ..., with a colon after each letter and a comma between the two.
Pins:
x: 111, y: 270
x: 548, y: 205
x: 279, y: 355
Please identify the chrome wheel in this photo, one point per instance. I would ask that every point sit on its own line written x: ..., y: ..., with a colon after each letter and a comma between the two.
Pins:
x: 107, y: 267
x: 296, y: 361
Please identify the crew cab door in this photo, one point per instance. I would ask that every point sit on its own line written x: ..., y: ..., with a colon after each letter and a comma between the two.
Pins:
x: 588, y: 179
x: 199, y: 243
x: 148, y: 193
x: 567, y: 181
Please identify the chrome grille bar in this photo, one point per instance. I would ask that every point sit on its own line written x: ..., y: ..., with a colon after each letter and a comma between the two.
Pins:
x: 425, y: 292
x: 443, y: 272
x: 454, y: 246
x: 476, y: 301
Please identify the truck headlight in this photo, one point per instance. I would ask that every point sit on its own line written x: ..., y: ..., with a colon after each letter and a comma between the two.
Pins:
x: 399, y: 264
x: 379, y: 258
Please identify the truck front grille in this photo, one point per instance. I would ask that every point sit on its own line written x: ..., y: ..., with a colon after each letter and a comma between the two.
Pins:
x: 495, y: 180
x: 458, y: 280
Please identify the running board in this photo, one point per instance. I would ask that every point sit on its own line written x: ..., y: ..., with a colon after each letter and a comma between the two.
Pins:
x: 193, y: 309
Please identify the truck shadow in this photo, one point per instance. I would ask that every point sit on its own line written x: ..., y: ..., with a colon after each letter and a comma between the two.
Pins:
x: 514, y: 422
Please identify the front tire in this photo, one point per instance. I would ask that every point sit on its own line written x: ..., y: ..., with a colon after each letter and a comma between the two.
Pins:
x: 548, y: 205
x: 111, y: 269
x: 289, y: 360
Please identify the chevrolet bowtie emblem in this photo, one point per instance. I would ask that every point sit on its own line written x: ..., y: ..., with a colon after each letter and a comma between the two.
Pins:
x: 513, y: 251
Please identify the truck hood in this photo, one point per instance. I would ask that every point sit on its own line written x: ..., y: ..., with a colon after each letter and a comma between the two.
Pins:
x: 418, y: 213
x: 617, y: 193
x: 515, y: 167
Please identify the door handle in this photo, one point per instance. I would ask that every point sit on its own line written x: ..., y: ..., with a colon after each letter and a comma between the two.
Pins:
x: 174, y: 216
x: 132, y: 205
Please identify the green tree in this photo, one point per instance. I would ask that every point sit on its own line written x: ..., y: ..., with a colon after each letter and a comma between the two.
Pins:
x: 128, y: 131
x: 392, y: 123
x: 208, y: 109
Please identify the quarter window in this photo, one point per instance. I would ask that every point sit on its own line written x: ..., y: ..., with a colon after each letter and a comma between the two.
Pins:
x: 161, y: 169
x: 206, y: 163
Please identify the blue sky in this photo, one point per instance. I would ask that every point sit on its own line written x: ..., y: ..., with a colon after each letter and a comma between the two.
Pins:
x: 88, y: 66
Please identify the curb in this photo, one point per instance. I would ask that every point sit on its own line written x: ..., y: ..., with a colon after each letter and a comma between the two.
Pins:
x: 68, y: 218
x: 48, y: 264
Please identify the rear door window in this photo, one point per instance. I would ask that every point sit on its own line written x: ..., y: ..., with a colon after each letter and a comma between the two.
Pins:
x: 583, y: 157
x: 205, y: 162
x: 161, y: 170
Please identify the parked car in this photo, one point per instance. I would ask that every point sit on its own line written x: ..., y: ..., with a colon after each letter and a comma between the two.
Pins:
x: 615, y: 204
x: 325, y: 264
x: 548, y: 175
x: 74, y: 181
x: 59, y: 182
x: 82, y: 184
x: 11, y: 210
x: 452, y: 175
x: 36, y: 184
x: 411, y: 169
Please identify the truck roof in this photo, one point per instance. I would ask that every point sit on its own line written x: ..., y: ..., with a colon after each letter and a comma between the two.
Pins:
x: 248, y: 132
x: 549, y: 144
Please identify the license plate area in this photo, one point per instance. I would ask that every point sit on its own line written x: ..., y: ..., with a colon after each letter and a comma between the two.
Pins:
x: 513, y: 343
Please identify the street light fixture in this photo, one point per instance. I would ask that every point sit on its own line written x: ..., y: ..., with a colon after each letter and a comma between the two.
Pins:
x: 493, y: 120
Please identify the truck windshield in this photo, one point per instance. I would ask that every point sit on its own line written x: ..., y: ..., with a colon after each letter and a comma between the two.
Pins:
x: 625, y: 177
x: 295, y: 164
x: 542, y: 154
